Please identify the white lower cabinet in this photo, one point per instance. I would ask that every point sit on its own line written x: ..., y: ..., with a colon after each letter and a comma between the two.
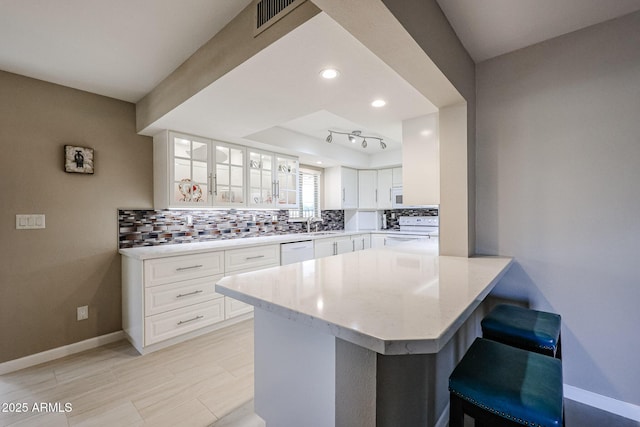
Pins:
x: 361, y: 241
x: 173, y: 323
x: 340, y: 245
x: 170, y: 299
x: 378, y: 240
x: 244, y: 260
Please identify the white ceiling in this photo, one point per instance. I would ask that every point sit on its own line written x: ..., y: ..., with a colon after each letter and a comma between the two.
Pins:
x: 117, y: 48
x: 281, y: 87
x: 123, y: 49
x: 489, y: 28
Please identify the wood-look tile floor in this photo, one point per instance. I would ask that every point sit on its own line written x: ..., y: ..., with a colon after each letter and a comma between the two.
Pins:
x: 192, y: 384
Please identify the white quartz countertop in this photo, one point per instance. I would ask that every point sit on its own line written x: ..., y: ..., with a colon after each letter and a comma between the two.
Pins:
x: 162, y: 251
x: 400, y: 300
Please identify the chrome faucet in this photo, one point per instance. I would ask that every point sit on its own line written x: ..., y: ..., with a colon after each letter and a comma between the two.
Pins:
x: 310, y: 220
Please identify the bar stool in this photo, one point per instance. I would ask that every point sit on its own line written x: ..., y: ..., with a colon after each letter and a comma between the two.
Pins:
x: 524, y: 328
x: 500, y: 385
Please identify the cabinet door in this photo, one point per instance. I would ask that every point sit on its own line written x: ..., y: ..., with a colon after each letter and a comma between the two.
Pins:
x: 261, y: 179
x: 190, y: 171
x: 367, y: 189
x: 397, y: 177
x: 349, y: 188
x: 361, y: 242
x: 377, y: 241
x: 343, y: 245
x: 229, y: 174
x: 366, y: 241
x: 286, y: 182
x: 323, y: 247
x: 385, y: 183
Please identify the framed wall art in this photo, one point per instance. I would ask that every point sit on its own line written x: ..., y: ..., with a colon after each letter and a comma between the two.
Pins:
x: 78, y: 159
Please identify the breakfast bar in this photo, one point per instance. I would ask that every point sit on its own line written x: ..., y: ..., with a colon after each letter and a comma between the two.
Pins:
x: 366, y: 338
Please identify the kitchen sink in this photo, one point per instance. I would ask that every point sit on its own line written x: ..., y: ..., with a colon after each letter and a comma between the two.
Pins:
x: 322, y: 233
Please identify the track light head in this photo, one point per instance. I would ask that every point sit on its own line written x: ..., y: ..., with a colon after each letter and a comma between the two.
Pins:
x: 329, y: 138
x: 364, y: 142
x: 352, y: 139
x: 382, y: 144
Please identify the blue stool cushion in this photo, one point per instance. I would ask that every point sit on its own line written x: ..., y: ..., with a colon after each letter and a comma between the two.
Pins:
x: 516, y: 384
x: 522, y: 327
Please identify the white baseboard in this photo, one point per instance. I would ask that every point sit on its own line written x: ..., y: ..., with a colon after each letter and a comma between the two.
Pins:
x: 443, y: 421
x: 604, y: 403
x: 56, y: 353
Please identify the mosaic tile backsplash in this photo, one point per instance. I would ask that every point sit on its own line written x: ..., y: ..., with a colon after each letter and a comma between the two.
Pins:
x: 165, y: 227
x: 392, y: 220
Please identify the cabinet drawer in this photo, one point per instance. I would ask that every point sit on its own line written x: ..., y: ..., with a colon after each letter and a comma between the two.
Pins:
x: 158, y: 299
x: 177, y: 322
x: 252, y: 258
x: 166, y: 270
x: 233, y: 307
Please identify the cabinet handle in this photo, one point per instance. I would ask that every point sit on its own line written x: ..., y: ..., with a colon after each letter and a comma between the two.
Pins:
x: 182, y: 322
x: 273, y: 190
x: 254, y: 257
x: 215, y: 185
x: 389, y: 195
x: 385, y: 242
x: 210, y: 182
x: 343, y: 194
x: 278, y: 189
x: 376, y: 195
x: 335, y: 248
x: 189, y: 268
x: 199, y: 291
x: 363, y: 243
x: 353, y: 243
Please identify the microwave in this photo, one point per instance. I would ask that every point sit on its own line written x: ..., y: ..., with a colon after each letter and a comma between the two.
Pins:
x: 397, y: 202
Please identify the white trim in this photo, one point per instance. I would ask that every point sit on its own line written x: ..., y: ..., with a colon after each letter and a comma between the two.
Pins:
x: 608, y: 404
x: 56, y: 353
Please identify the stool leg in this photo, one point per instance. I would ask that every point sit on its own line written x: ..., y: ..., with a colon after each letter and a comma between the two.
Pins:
x: 559, y: 349
x: 456, y: 413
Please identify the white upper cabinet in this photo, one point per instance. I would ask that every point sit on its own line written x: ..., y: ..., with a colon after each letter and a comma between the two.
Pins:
x: 341, y: 188
x: 228, y: 177
x: 286, y: 181
x: 196, y: 172
x: 273, y: 180
x: 385, y: 183
x: 367, y: 189
x: 182, y: 171
x: 261, y: 179
x: 397, y: 177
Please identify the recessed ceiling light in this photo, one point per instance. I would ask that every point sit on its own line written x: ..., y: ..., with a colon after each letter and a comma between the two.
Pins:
x: 426, y: 132
x: 318, y: 162
x: 329, y: 73
x: 379, y: 103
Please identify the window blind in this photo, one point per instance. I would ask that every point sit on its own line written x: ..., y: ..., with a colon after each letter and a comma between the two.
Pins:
x: 309, y: 191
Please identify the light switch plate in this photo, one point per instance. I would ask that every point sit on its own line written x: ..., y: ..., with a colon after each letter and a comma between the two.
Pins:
x: 28, y: 222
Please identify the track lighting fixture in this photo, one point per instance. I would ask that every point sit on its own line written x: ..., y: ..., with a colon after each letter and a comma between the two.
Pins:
x: 353, y: 137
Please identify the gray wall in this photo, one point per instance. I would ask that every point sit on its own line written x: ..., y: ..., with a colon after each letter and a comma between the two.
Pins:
x: 558, y: 188
x: 46, y: 274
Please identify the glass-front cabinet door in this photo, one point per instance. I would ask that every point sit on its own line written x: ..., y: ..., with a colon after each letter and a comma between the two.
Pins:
x: 287, y: 182
x: 261, y: 179
x: 190, y: 186
x: 229, y: 174
x: 196, y: 172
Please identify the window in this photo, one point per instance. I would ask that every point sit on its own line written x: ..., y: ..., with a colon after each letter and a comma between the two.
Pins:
x: 309, y: 191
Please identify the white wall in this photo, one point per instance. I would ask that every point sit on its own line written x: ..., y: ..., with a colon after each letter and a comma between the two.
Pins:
x: 558, y: 187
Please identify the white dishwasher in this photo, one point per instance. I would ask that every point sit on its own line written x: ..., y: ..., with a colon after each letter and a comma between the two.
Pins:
x: 296, y: 252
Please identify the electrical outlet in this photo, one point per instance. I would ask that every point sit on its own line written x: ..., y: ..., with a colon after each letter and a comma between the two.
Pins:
x: 83, y: 312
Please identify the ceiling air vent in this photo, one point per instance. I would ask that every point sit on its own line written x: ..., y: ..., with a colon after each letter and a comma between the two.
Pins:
x: 268, y: 12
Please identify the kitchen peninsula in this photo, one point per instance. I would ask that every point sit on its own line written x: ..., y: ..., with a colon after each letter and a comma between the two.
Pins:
x: 363, y: 339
